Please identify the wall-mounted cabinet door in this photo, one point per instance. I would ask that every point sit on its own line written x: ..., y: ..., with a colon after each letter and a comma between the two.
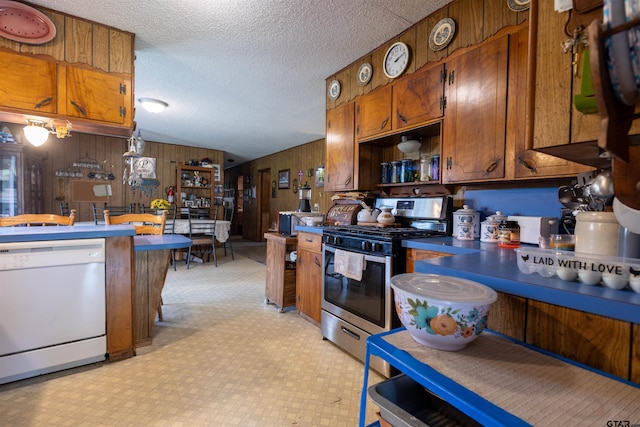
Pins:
x: 418, y: 97
x: 474, y: 126
x: 28, y: 83
x: 340, y: 156
x: 98, y: 96
x: 373, y: 113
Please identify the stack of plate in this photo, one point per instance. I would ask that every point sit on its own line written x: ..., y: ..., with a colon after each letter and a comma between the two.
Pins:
x: 623, y: 49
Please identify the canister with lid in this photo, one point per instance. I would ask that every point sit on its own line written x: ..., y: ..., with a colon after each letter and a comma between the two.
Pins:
x: 406, y: 174
x: 597, y: 233
x: 466, y: 223
x: 394, y: 175
x: 489, y: 227
x: 385, y: 169
x: 509, y: 234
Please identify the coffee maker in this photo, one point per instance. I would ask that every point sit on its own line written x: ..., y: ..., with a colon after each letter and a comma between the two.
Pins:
x: 304, y: 193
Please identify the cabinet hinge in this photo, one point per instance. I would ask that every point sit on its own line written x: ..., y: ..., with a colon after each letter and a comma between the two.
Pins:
x: 123, y: 111
x: 358, y: 130
x: 443, y: 75
x: 443, y: 102
x: 451, y: 77
x: 123, y: 89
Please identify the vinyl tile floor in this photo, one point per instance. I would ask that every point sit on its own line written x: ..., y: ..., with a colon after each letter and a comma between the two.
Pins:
x: 221, y: 357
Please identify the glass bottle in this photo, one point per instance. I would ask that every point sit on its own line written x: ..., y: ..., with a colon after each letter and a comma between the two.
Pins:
x: 395, y: 172
x: 425, y: 167
x: 385, y: 168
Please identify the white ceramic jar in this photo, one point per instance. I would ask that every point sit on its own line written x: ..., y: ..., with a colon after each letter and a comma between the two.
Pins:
x: 597, y: 233
x: 489, y: 227
x: 386, y: 217
x: 466, y: 223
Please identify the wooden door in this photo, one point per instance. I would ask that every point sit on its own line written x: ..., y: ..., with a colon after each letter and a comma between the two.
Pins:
x: 97, y: 96
x: 418, y: 97
x: 28, y: 83
x: 340, y: 156
x: 474, y: 131
x: 373, y: 113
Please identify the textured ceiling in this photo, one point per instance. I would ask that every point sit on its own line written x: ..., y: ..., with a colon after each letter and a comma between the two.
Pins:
x: 245, y: 76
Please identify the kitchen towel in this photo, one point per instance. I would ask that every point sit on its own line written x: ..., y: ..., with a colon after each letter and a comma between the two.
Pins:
x: 349, y: 264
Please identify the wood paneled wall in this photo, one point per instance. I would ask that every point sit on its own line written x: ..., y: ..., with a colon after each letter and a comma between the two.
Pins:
x: 62, y: 153
x: 305, y: 157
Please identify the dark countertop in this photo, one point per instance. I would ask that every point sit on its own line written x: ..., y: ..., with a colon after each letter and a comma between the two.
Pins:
x: 141, y: 243
x: 496, y: 267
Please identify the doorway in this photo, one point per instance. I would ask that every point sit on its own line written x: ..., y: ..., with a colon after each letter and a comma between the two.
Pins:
x: 264, y: 201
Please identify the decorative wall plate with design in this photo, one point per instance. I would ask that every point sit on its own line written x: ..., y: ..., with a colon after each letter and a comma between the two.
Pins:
x: 25, y: 24
x: 334, y: 90
x: 518, y: 5
x: 442, y: 34
x: 364, y: 74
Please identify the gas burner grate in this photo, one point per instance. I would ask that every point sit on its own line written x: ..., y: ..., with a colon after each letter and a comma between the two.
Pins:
x: 380, y: 232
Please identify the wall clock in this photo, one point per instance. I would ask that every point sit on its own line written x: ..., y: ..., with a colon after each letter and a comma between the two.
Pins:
x: 442, y: 34
x: 364, y: 74
x: 396, y: 60
x: 334, y: 89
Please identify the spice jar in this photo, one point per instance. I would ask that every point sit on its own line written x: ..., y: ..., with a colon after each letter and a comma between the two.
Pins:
x: 385, y: 168
x: 395, y: 172
x: 425, y: 167
x: 509, y: 234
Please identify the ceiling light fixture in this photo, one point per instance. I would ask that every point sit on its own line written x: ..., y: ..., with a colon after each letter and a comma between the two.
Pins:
x: 153, y: 105
x: 37, y: 133
x: 407, y: 145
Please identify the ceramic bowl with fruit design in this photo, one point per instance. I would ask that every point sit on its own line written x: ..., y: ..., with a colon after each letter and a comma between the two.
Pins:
x: 442, y: 312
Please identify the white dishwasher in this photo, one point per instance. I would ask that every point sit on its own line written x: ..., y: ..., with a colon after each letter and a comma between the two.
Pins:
x: 52, y: 306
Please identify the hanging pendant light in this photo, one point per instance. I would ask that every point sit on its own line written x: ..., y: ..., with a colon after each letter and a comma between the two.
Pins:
x: 36, y: 132
x: 409, y: 144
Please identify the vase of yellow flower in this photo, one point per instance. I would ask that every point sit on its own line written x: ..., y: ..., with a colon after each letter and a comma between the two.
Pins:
x: 160, y: 205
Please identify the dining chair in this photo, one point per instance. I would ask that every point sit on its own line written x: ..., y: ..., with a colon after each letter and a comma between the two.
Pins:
x: 64, y: 209
x: 200, y: 233
x: 227, y: 215
x: 144, y: 223
x: 98, y: 212
x: 27, y: 220
x: 169, y: 228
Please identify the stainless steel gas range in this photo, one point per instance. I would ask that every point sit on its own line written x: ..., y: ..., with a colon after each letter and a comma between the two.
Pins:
x: 358, y: 263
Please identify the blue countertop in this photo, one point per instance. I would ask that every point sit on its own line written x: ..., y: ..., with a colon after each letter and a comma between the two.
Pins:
x: 141, y: 243
x: 496, y: 267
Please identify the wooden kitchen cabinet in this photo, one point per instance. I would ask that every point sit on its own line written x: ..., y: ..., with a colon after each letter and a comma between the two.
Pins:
x: 340, y: 146
x: 97, y: 96
x: 414, y: 255
x: 373, y: 113
x: 474, y: 126
x: 21, y: 180
x: 29, y: 83
x: 418, y: 97
x: 309, y: 276
x: 280, y: 286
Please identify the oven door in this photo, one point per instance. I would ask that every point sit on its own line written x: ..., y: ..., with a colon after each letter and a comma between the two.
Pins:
x: 367, y: 303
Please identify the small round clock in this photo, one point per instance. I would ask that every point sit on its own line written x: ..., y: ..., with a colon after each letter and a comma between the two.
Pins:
x: 364, y: 74
x: 334, y: 89
x: 396, y: 60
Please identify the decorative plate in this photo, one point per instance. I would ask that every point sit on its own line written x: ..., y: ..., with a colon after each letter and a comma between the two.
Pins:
x: 364, y: 74
x: 334, y: 90
x: 518, y: 5
x: 24, y: 24
x: 442, y: 34
x: 618, y: 54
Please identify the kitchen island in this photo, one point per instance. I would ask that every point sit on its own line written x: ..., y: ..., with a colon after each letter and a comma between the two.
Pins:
x: 135, y: 269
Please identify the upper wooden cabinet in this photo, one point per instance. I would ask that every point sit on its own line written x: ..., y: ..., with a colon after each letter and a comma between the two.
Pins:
x: 373, y: 113
x: 418, y: 97
x: 97, y: 96
x: 28, y: 83
x: 340, y: 157
x: 474, y: 126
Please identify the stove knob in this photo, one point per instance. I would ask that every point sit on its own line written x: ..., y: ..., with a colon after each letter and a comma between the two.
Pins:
x: 366, y: 246
x: 338, y: 240
x: 328, y: 239
x: 377, y: 247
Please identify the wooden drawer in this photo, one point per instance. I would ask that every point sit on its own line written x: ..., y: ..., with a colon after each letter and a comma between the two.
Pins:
x: 310, y: 241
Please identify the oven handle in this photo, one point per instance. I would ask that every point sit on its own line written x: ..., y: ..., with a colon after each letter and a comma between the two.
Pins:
x: 350, y: 333
x: 367, y: 257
